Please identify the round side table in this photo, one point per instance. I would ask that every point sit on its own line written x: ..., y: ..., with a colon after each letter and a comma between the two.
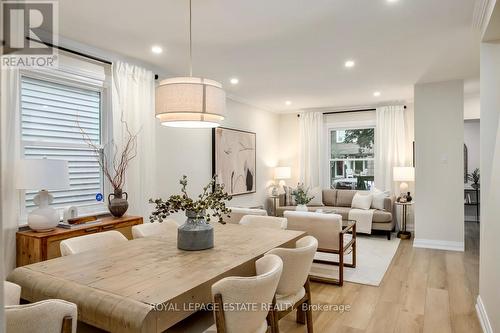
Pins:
x: 403, y: 233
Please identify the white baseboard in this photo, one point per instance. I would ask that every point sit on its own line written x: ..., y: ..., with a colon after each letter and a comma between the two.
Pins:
x: 439, y: 244
x: 483, y: 316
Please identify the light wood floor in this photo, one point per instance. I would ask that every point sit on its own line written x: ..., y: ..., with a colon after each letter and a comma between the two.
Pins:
x: 423, y: 291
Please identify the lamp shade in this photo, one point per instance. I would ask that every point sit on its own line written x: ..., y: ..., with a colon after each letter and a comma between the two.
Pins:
x: 190, y: 102
x: 42, y: 174
x: 282, y: 173
x: 404, y: 174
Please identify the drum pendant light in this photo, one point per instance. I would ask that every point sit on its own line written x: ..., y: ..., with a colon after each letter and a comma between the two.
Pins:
x: 190, y: 102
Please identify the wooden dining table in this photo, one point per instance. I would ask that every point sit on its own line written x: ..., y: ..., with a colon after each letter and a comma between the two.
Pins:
x: 147, y: 284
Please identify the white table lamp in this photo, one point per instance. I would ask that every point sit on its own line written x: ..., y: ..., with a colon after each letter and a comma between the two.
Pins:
x: 281, y: 174
x: 403, y: 175
x: 43, y: 175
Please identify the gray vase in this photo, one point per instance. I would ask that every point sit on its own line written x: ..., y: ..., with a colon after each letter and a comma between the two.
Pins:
x: 196, y: 234
x: 118, y: 205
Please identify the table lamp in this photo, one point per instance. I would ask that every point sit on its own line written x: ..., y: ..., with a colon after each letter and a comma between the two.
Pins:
x: 43, y: 175
x: 403, y: 175
x: 281, y: 174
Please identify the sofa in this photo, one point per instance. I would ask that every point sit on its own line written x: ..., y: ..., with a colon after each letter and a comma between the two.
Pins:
x: 340, y: 201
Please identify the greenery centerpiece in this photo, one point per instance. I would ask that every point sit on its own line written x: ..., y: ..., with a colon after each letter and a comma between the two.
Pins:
x: 301, y: 196
x: 474, y: 177
x: 196, y: 233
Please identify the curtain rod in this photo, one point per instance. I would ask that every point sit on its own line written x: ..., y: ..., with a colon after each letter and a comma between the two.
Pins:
x: 84, y: 55
x: 349, y: 111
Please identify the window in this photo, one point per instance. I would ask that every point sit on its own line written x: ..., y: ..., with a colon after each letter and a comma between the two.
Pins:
x: 51, y: 113
x: 352, y: 158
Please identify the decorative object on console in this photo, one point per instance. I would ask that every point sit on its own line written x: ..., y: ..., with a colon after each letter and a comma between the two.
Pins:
x: 302, y: 197
x: 474, y: 177
x: 403, y: 175
x: 70, y: 212
x: 196, y: 233
x: 190, y: 102
x: 280, y: 174
x: 117, y: 171
x: 234, y: 160
x: 43, y: 175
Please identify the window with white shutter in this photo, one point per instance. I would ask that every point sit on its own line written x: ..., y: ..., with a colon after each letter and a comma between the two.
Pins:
x: 52, y: 114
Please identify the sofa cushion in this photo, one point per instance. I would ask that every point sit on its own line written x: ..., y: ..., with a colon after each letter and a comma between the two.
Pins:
x: 329, y: 197
x: 344, y: 198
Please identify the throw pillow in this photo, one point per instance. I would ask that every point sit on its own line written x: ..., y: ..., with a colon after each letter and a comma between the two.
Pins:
x: 362, y: 201
x: 289, y: 199
x: 379, y: 198
x: 317, y: 193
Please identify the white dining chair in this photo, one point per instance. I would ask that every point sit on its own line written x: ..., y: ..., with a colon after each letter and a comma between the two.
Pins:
x: 48, y: 316
x: 153, y: 229
x: 264, y: 221
x: 237, y: 213
x: 293, y: 289
x: 93, y: 241
x: 256, y: 291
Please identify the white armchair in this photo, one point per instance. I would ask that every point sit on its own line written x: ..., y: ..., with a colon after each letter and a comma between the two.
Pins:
x: 258, y: 290
x: 293, y: 289
x: 49, y: 316
x: 89, y: 242
x: 331, y: 235
x: 264, y: 221
x: 237, y: 213
x: 155, y: 228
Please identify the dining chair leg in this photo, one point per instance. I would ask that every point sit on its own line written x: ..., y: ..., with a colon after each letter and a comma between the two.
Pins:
x: 67, y: 324
x: 309, y: 319
x: 220, y: 321
x: 341, y: 260
x: 301, y: 315
x: 273, y: 318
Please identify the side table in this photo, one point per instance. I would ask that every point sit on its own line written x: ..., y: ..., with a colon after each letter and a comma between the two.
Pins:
x: 403, y: 233
x: 275, y: 200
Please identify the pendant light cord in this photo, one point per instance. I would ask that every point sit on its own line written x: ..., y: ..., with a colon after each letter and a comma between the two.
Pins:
x: 190, y: 43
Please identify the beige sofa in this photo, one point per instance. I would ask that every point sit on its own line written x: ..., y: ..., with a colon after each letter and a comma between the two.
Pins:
x: 340, y: 201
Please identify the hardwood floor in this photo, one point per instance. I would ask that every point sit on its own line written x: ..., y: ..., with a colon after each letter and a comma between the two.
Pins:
x: 423, y: 291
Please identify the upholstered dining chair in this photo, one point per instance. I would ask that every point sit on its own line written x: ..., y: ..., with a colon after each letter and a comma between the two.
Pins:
x: 255, y: 291
x: 237, y: 213
x: 89, y: 242
x: 49, y: 316
x: 332, y: 238
x: 293, y: 292
x: 264, y: 221
x: 155, y: 228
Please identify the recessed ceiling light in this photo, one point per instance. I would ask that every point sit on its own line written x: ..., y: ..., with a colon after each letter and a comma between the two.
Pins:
x: 377, y: 93
x: 156, y: 49
x: 234, y: 80
x: 288, y: 103
x: 392, y: 1
x: 349, y: 63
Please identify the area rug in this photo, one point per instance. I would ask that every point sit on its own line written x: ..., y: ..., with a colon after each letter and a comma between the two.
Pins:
x: 374, y: 255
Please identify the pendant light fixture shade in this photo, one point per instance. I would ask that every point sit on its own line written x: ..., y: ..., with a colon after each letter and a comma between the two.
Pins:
x: 190, y: 102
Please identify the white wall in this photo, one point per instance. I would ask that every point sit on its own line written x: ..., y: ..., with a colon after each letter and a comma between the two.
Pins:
x: 489, y: 275
x: 471, y: 107
x: 188, y: 152
x: 289, y: 144
x: 439, y: 132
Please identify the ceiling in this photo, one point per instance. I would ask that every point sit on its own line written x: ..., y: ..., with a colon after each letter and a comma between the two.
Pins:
x: 291, y: 49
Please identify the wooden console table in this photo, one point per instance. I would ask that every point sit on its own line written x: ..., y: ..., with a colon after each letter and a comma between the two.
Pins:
x: 33, y: 247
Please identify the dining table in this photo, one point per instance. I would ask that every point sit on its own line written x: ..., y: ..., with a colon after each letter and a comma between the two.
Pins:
x: 148, y: 284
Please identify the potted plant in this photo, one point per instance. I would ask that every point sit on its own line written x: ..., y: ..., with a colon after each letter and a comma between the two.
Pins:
x: 474, y: 177
x: 115, y: 169
x: 301, y: 197
x: 196, y: 233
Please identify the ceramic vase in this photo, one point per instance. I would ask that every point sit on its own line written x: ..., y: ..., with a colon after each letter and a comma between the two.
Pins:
x: 301, y: 208
x: 118, y: 205
x: 195, y: 234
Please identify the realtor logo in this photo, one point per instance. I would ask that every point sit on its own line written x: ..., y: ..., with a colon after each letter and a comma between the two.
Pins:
x: 29, y: 31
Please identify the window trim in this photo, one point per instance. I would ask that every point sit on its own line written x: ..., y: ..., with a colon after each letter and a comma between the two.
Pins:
x: 105, y: 122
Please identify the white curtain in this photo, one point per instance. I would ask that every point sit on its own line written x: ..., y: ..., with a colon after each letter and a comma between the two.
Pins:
x: 133, y: 94
x: 10, y: 142
x: 311, y: 148
x: 390, y: 145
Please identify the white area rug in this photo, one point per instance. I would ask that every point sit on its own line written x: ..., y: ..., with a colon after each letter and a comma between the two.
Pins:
x: 374, y: 255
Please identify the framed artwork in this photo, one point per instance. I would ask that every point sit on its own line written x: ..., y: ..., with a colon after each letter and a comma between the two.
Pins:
x: 234, y: 160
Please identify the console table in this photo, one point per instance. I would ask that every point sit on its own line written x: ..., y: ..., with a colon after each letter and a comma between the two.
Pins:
x: 32, y: 246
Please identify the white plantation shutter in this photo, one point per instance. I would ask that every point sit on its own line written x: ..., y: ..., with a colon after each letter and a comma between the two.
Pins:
x: 51, y: 113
